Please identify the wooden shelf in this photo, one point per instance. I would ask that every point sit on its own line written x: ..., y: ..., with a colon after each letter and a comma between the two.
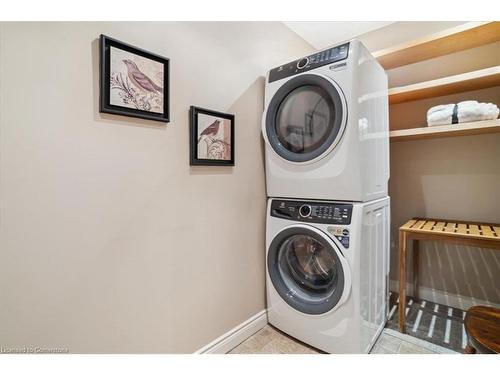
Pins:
x: 475, y: 80
x: 459, y: 38
x: 429, y: 132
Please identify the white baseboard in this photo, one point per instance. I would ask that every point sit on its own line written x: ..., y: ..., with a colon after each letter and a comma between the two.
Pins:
x: 236, y: 336
x: 442, y: 297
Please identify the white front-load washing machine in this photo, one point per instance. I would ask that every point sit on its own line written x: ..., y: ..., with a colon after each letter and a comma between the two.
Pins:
x: 327, y: 270
x: 325, y: 126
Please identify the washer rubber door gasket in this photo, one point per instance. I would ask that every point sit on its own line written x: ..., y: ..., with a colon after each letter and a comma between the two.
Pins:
x: 306, y: 270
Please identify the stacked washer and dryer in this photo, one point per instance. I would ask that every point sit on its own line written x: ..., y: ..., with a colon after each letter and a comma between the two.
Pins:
x: 325, y: 126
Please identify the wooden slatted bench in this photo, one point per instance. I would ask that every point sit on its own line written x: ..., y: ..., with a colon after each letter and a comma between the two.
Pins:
x: 485, y: 235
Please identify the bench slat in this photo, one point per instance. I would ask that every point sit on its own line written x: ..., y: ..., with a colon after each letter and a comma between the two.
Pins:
x: 460, y: 230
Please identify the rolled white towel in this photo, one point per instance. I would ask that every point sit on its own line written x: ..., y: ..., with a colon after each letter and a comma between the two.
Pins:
x: 466, y: 111
x: 469, y: 111
x: 440, y: 115
x: 491, y: 112
x: 438, y: 108
x: 468, y: 103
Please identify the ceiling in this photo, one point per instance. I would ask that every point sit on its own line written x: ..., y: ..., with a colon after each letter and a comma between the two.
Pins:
x: 324, y: 34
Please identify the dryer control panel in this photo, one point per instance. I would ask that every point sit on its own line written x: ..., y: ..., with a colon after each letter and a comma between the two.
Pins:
x: 313, y: 61
x: 312, y: 212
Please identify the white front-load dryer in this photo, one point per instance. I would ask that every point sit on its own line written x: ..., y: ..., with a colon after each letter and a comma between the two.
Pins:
x: 327, y: 265
x: 325, y: 126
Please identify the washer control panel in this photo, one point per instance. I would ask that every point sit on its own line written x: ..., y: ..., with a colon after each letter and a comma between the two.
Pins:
x: 313, y: 61
x: 312, y: 212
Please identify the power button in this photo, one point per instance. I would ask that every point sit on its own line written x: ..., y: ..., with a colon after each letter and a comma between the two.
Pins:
x: 302, y: 63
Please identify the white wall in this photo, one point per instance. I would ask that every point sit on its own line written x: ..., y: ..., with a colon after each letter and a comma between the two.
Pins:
x: 109, y: 241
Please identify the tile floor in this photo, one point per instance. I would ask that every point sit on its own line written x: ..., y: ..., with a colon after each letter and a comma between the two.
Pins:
x: 438, y: 324
x: 269, y: 340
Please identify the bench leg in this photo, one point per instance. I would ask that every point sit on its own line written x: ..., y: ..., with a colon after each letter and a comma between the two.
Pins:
x: 469, y: 349
x: 402, y: 282
x: 415, y: 267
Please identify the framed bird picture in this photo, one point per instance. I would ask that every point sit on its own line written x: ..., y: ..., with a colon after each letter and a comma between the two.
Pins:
x: 133, y: 82
x: 212, y: 137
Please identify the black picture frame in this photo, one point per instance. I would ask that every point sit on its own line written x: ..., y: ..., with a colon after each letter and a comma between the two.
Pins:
x: 105, y: 44
x: 194, y: 159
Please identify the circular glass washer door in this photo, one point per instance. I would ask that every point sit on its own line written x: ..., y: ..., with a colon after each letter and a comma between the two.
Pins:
x: 307, y: 269
x: 305, y: 118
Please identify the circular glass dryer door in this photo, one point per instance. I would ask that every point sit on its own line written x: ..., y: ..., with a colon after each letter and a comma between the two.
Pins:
x: 305, y: 118
x: 306, y: 270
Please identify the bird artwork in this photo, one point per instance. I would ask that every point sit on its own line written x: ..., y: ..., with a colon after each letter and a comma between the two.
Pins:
x: 211, y: 143
x: 210, y: 130
x: 135, y: 81
x: 139, y: 79
x: 211, y: 137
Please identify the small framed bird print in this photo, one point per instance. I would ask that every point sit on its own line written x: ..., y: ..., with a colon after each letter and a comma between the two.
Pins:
x: 212, y: 137
x: 133, y: 82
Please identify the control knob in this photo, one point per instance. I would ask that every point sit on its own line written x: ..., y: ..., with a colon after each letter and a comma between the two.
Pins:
x: 305, y: 210
x: 302, y: 63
